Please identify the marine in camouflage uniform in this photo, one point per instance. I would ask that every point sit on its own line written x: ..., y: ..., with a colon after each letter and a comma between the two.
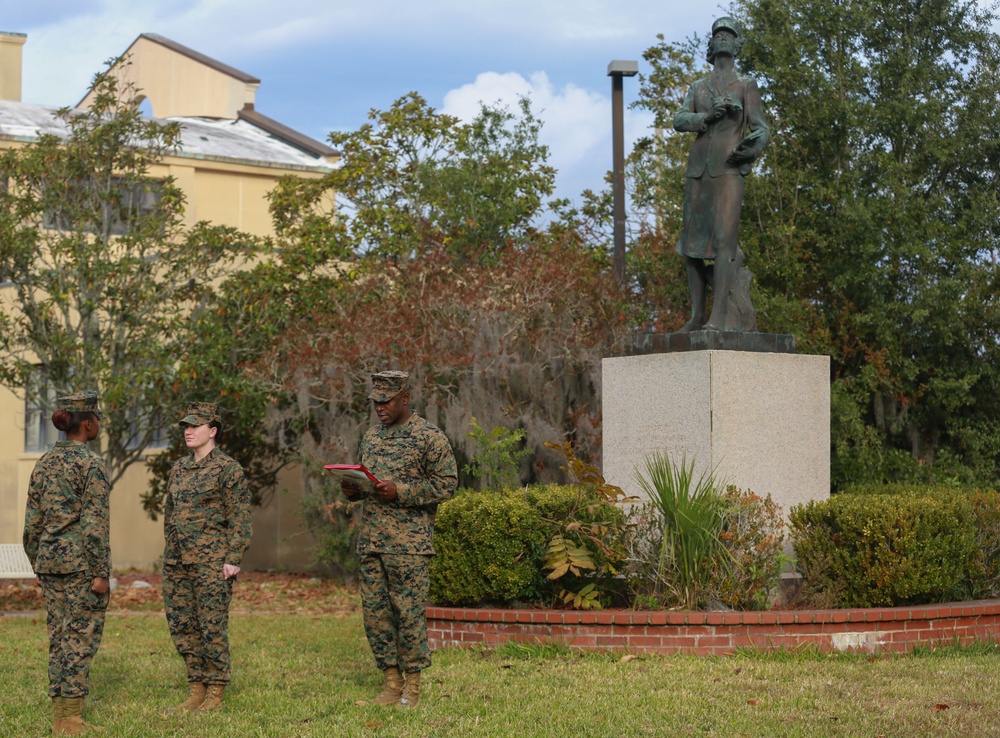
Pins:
x: 207, y: 529
x: 416, y: 466
x: 66, y: 532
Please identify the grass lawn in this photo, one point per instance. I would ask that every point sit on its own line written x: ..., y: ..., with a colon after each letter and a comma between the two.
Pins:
x: 309, y: 673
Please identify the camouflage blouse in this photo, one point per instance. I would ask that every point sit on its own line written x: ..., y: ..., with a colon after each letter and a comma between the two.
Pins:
x: 67, y: 519
x: 416, y: 456
x: 206, y: 515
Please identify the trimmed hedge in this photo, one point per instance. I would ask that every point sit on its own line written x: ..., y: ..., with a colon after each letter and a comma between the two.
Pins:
x: 489, y: 545
x: 982, y: 579
x: 485, y: 546
x: 886, y: 546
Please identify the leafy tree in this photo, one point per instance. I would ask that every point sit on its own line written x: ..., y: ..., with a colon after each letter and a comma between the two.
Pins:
x: 492, y: 185
x: 415, y: 180
x: 659, y: 160
x: 879, y: 222
x: 421, y: 253
x: 230, y: 329
x: 407, y: 255
x: 104, y: 274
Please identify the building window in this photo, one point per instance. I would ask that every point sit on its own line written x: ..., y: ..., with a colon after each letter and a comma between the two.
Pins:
x: 39, y: 404
x: 159, y: 438
x: 131, y: 202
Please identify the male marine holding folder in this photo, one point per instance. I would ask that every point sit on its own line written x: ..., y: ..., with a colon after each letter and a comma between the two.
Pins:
x: 416, y: 468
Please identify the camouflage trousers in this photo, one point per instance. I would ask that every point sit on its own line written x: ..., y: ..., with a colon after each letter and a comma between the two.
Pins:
x: 75, y: 620
x: 394, y: 590
x: 196, y: 599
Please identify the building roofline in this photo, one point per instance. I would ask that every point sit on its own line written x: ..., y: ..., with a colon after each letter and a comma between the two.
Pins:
x: 199, y: 57
x: 190, y: 54
x: 288, y: 135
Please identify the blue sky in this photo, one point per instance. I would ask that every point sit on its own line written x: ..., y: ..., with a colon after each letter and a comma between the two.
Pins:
x: 323, y: 64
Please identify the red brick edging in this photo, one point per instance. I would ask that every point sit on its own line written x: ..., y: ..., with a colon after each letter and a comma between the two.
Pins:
x: 718, y: 633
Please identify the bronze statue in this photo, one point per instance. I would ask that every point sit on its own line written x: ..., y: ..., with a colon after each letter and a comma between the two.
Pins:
x: 724, y: 109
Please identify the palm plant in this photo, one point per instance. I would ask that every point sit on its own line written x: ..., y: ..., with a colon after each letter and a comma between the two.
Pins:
x: 690, y: 515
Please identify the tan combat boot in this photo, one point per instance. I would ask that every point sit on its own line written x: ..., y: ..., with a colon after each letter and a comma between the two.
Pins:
x: 411, y: 692
x: 213, y: 698
x: 393, y: 687
x: 196, y: 695
x: 72, y: 717
x: 57, y: 715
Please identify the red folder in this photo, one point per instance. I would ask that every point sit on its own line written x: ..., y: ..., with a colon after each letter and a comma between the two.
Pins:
x: 355, y: 474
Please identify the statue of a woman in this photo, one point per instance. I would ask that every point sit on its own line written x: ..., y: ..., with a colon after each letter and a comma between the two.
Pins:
x: 724, y: 109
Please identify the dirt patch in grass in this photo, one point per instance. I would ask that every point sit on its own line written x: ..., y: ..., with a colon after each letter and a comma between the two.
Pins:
x: 255, y: 592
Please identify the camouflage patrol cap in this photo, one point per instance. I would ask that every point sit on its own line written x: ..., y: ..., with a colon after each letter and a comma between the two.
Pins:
x: 386, y: 385
x: 200, y: 413
x: 81, y: 402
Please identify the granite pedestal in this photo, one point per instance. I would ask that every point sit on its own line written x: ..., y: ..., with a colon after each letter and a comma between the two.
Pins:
x: 760, y: 420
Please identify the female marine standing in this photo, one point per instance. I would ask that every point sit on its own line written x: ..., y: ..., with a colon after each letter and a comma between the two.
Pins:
x: 66, y: 529
x: 207, y: 527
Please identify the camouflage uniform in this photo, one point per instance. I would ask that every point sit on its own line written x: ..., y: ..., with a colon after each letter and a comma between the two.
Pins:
x: 66, y: 531
x: 206, y: 524
x: 396, y: 537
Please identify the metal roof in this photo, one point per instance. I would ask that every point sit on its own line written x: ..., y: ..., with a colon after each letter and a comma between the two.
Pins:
x: 237, y: 141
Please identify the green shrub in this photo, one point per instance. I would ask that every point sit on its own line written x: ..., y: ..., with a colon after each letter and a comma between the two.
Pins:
x: 893, y: 547
x: 904, y: 488
x: 982, y: 579
x: 984, y: 573
x: 490, y: 545
x: 497, y: 460
x: 486, y: 545
x: 752, y: 533
x: 593, y: 523
x: 676, y: 534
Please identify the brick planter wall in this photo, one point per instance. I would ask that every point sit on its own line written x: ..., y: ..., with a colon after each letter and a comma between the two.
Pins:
x: 718, y: 633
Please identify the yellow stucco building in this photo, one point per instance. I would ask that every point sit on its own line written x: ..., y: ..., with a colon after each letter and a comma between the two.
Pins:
x: 230, y: 157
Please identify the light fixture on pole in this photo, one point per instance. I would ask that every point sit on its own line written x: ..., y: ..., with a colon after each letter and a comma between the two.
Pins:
x: 616, y: 70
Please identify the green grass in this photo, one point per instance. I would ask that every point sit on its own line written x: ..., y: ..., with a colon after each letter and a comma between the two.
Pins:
x: 301, y: 675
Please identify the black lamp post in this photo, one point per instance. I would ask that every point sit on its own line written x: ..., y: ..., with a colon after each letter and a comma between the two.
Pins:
x: 616, y: 70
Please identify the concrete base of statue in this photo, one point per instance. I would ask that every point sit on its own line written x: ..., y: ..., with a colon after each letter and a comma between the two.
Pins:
x: 761, y: 420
